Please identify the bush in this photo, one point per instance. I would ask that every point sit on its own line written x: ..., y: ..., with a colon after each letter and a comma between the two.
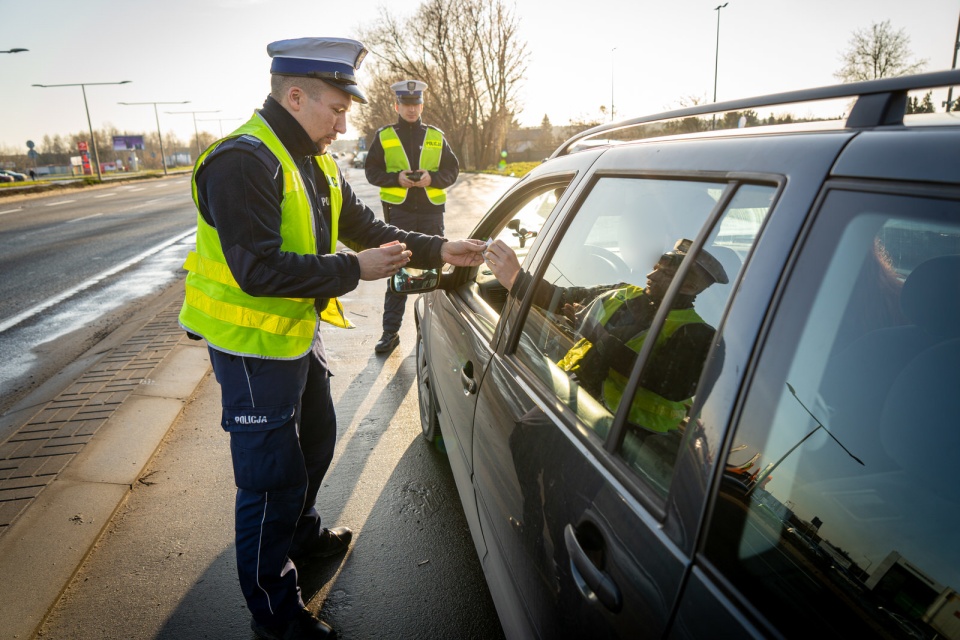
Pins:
x: 515, y: 169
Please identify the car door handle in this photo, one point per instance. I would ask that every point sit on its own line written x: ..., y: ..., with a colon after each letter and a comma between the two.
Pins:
x: 466, y: 379
x: 594, y: 584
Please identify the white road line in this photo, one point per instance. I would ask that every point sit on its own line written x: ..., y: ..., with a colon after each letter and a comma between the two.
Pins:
x: 43, y: 306
x: 10, y: 211
x: 137, y: 189
x: 53, y: 204
x: 83, y: 218
x: 105, y: 195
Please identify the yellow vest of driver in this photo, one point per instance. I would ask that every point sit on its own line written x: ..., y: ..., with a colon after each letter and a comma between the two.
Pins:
x: 648, y: 409
x: 396, y: 160
x: 216, y: 308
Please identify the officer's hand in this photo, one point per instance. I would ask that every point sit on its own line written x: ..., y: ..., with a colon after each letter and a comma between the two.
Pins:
x: 405, y: 181
x: 383, y: 261
x: 425, y: 181
x: 463, y: 253
x: 503, y: 262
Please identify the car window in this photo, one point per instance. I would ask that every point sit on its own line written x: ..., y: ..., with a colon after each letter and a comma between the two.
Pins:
x: 838, y: 513
x: 591, y: 312
x: 518, y: 224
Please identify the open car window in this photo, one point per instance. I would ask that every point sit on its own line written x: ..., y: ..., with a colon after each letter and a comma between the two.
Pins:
x: 518, y: 224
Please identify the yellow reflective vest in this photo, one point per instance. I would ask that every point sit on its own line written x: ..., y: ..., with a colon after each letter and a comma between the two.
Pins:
x: 648, y: 409
x: 395, y: 159
x: 216, y: 308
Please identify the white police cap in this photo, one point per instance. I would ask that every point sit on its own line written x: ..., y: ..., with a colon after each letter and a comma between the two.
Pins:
x: 409, y: 91
x: 705, y: 260
x: 333, y: 60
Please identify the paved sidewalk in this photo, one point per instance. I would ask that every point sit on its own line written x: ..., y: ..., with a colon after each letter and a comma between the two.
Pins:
x: 72, y: 462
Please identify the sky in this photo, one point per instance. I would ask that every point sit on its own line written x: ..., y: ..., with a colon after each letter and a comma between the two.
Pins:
x: 645, y: 55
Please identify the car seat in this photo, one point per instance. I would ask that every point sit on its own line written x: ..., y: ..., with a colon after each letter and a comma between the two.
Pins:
x: 859, y: 379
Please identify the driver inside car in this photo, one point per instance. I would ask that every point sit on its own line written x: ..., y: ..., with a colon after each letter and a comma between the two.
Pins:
x: 613, y: 323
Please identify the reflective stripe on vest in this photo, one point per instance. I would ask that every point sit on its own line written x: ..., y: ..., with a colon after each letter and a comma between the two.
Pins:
x: 216, y: 308
x: 648, y: 409
x: 396, y: 160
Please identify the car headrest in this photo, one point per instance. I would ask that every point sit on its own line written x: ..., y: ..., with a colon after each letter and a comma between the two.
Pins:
x: 917, y: 428
x: 931, y: 296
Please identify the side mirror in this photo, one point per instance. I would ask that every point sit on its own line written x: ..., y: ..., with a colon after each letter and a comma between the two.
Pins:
x: 519, y: 232
x: 408, y: 281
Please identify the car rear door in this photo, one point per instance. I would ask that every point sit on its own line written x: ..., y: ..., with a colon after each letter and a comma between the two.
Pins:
x: 845, y: 525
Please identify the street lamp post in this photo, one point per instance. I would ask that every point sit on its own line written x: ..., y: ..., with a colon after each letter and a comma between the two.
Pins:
x: 196, y: 133
x: 219, y: 121
x: 956, y: 47
x: 716, y: 58
x: 83, y: 86
x: 17, y: 50
x: 611, y: 82
x: 769, y: 470
x: 163, y: 158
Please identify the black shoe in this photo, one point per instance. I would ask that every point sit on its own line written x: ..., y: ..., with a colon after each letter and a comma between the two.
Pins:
x: 388, y: 342
x: 330, y: 542
x: 305, y: 626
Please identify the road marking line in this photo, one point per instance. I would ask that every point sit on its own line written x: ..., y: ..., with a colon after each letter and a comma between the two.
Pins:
x: 105, y: 195
x: 10, y: 211
x: 83, y: 218
x: 53, y: 204
x: 43, y: 306
x: 137, y: 189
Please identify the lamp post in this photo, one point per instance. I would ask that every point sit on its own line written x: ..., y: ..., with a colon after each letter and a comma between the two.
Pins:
x: 716, y: 63
x: 196, y: 133
x: 956, y: 47
x: 770, y: 468
x: 83, y: 87
x: 611, y: 81
x: 219, y: 121
x: 17, y: 50
x: 163, y: 158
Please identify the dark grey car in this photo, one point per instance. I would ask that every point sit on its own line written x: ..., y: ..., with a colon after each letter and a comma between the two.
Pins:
x: 782, y: 466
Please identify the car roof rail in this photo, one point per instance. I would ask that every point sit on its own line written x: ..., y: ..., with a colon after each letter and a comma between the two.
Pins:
x: 880, y: 103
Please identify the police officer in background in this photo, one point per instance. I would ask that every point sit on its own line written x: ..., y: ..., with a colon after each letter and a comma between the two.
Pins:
x: 413, y: 166
x: 272, y: 205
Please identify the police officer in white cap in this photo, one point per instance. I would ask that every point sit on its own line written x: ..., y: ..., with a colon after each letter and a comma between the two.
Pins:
x: 272, y: 205
x: 413, y: 165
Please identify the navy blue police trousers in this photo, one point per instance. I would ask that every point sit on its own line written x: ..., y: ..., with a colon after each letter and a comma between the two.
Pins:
x: 283, y: 430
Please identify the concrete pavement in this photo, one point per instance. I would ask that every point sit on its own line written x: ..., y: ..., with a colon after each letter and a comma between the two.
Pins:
x: 76, y: 456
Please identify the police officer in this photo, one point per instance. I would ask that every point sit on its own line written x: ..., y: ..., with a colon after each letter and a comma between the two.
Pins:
x: 614, y: 324
x: 272, y: 205
x: 413, y: 165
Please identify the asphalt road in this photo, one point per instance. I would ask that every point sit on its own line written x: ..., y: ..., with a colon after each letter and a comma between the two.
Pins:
x: 165, y: 567
x: 76, y: 265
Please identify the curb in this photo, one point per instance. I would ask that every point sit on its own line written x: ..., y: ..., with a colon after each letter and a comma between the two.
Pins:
x: 67, y: 469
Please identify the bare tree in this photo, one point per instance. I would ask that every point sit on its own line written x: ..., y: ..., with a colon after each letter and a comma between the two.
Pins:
x: 471, y: 56
x: 878, y: 52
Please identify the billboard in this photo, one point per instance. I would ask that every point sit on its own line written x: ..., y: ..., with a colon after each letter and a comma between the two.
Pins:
x: 125, y: 143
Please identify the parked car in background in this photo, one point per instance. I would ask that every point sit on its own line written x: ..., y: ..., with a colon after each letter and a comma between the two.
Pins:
x: 17, y: 177
x: 4, y: 177
x: 721, y: 398
x: 359, y: 160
